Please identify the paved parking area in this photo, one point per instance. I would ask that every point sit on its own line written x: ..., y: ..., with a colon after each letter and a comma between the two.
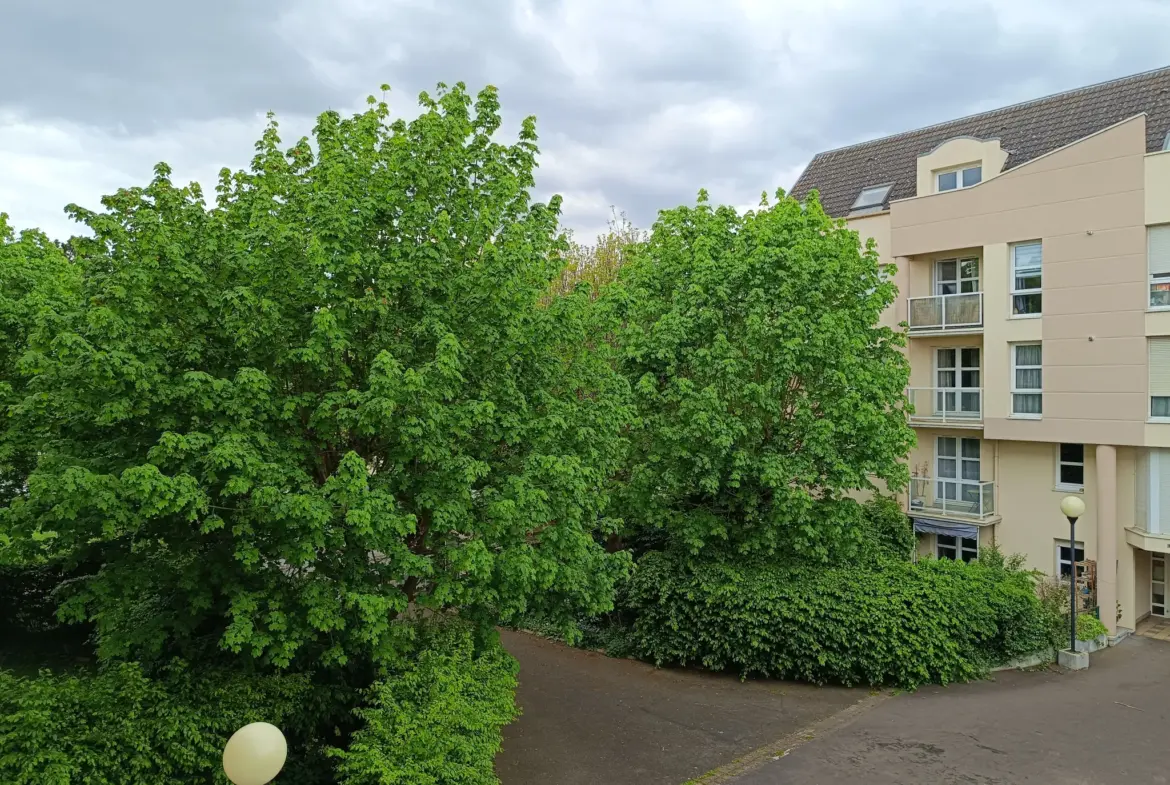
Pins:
x: 1102, y: 726
x: 594, y: 720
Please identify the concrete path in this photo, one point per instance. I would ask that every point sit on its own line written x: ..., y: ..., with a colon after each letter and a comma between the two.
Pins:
x: 589, y: 719
x: 1105, y: 725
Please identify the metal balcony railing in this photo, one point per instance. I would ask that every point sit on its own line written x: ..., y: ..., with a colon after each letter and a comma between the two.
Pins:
x: 952, y: 497
x: 944, y: 312
x: 936, y: 405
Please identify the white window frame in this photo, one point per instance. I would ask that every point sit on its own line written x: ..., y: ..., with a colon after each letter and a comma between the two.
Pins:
x: 1156, y: 279
x: 1157, y: 608
x: 958, y: 171
x: 1068, y: 486
x: 1150, y: 369
x: 959, y: 481
x: 1080, y: 546
x: 957, y: 390
x: 1026, y: 390
x: 1014, y: 292
x: 958, y: 550
x: 959, y: 278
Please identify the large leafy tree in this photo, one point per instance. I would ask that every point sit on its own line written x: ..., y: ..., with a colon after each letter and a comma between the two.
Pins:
x: 767, y: 389
x: 37, y: 284
x: 334, y: 399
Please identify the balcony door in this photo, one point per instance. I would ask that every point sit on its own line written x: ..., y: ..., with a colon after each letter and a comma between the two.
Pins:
x: 956, y: 276
x: 957, y: 382
x: 957, y: 472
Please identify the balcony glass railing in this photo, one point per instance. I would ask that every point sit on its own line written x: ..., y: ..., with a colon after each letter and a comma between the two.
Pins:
x: 946, y: 312
x: 959, y: 405
x: 956, y: 498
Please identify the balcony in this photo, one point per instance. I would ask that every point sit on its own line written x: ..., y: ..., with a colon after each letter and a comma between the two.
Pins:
x: 946, y: 314
x: 954, y: 407
x: 962, y: 499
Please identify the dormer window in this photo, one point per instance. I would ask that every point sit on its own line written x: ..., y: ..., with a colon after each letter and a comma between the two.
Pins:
x: 963, y: 177
x: 871, y: 198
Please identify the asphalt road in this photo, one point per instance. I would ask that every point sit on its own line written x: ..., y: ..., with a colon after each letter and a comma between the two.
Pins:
x: 591, y: 719
x: 1106, y: 725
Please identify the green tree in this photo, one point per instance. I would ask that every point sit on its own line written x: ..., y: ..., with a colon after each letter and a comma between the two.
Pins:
x: 767, y: 390
x: 37, y: 284
x: 285, y: 423
x: 599, y: 264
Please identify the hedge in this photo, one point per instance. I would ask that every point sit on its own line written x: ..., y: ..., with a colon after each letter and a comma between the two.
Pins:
x: 437, y: 722
x: 898, y: 623
x: 120, y: 727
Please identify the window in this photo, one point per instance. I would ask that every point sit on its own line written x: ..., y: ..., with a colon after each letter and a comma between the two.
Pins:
x: 1027, y: 380
x: 952, y: 547
x: 1159, y: 378
x: 1026, y: 279
x: 964, y: 177
x: 872, y: 197
x: 1158, y: 252
x: 1158, y: 584
x: 957, y: 380
x: 957, y: 473
x: 956, y: 276
x: 1070, y: 467
x: 1064, y: 563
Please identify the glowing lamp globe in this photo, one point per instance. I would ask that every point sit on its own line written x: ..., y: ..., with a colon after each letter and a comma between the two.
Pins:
x: 255, y: 754
x: 1072, y: 506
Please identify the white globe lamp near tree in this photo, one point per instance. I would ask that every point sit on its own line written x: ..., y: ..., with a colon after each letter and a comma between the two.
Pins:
x: 255, y: 754
x: 1073, y: 507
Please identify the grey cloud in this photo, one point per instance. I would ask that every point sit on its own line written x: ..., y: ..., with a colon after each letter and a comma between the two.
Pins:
x: 143, y: 64
x: 618, y: 87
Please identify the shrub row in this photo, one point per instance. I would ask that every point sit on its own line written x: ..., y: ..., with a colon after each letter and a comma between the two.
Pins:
x: 436, y: 722
x: 898, y: 623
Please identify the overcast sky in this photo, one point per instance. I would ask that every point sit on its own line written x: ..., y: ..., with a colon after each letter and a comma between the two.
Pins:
x: 639, y: 103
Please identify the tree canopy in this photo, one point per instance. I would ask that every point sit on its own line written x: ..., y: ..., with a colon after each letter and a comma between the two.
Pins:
x: 277, y: 424
x: 767, y: 390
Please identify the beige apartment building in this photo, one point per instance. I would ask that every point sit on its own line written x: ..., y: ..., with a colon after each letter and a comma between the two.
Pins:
x: 1032, y: 254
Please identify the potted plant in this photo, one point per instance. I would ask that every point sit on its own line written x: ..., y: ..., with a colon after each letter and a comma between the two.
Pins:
x: 1091, y: 633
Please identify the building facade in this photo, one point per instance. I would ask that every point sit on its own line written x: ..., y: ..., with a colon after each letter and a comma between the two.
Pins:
x: 1031, y: 249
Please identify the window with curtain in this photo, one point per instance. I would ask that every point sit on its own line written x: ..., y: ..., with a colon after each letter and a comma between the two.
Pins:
x: 1027, y: 277
x: 1158, y: 238
x: 1027, y: 380
x: 1159, y: 378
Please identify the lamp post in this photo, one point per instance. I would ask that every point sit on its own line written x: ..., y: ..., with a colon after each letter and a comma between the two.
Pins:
x: 1073, y: 508
x: 255, y: 754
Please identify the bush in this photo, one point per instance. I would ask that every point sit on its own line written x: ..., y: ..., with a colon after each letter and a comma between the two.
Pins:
x: 1089, y: 628
x: 122, y: 727
x: 900, y: 624
x: 438, y: 722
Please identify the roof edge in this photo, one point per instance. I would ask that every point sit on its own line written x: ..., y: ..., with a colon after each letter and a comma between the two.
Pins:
x: 1041, y: 157
x: 973, y: 115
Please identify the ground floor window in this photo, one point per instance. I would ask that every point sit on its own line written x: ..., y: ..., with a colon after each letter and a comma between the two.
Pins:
x: 1158, y: 584
x: 952, y: 547
x: 1064, y: 559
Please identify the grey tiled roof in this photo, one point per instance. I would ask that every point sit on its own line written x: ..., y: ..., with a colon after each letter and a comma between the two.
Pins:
x: 1025, y: 131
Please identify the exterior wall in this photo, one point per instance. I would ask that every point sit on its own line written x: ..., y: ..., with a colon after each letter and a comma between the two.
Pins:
x: 877, y: 228
x: 957, y: 152
x: 1030, y: 503
x: 1086, y: 203
x: 1157, y: 174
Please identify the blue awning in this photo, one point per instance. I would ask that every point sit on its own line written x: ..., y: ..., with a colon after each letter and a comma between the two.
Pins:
x: 952, y: 528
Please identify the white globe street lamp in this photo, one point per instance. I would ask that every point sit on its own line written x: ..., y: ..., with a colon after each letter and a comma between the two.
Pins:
x: 1072, y: 507
x: 255, y: 754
